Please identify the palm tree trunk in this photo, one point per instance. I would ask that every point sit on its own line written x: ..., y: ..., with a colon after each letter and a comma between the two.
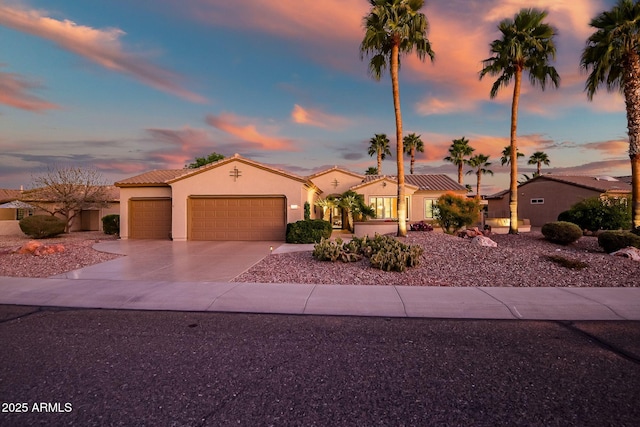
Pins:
x: 539, y: 168
x: 460, y: 174
x: 632, y: 99
x: 379, y: 162
x: 478, y: 185
x: 402, y: 203
x: 513, y: 185
x: 413, y: 159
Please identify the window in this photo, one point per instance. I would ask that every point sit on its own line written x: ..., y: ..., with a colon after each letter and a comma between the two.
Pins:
x: 429, y: 206
x: 386, y: 207
x: 537, y: 201
x: 22, y: 213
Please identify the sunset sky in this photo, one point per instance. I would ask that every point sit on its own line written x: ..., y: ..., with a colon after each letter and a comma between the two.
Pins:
x: 130, y: 86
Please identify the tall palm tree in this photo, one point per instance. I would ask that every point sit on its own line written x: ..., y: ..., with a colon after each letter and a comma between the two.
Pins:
x: 538, y: 158
x: 480, y: 163
x: 458, y: 152
x: 394, y: 27
x: 506, y: 156
x: 612, y: 58
x: 413, y: 143
x: 379, y: 147
x: 526, y: 44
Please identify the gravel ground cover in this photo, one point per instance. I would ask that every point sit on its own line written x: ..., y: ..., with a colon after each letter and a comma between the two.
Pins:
x: 519, y: 261
x: 77, y: 254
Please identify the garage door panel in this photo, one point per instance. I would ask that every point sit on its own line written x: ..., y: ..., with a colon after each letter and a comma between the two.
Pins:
x: 150, y: 219
x: 250, y: 218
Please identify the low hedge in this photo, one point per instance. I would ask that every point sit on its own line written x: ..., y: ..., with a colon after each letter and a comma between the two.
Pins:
x: 561, y: 232
x: 111, y: 224
x: 612, y: 241
x: 308, y: 231
x: 42, y: 226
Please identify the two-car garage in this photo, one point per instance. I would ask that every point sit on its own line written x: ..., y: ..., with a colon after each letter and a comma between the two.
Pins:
x: 211, y: 218
x: 236, y: 218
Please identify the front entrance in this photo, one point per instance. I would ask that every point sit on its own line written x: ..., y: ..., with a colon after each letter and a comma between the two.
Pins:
x: 336, y: 218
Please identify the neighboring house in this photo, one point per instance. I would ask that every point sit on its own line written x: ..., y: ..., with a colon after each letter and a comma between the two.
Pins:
x: 240, y: 199
x: 543, y: 198
x: 86, y: 220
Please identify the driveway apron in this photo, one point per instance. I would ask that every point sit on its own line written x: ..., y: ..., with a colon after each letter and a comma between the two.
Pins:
x: 174, y: 261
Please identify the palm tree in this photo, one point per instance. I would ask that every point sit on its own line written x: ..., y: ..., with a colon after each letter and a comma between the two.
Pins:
x: 506, y: 156
x: 379, y: 146
x: 458, y: 151
x: 371, y: 170
x: 393, y: 27
x: 526, y: 44
x: 612, y: 59
x: 538, y: 158
x: 480, y: 163
x: 413, y: 143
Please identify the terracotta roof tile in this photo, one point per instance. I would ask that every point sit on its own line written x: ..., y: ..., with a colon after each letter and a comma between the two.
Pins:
x: 594, y: 183
x: 7, y: 195
x: 154, y: 177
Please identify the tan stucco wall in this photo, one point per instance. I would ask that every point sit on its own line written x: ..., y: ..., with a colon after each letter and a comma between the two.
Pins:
x: 254, y: 181
x: 558, y: 197
x: 326, y: 182
x: 127, y: 193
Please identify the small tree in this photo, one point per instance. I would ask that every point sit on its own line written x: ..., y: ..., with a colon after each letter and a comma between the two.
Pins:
x: 201, y: 161
x: 66, y: 191
x: 371, y: 170
x: 454, y: 212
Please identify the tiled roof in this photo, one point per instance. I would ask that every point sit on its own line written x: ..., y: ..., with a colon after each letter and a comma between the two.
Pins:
x: 602, y: 184
x: 7, y: 195
x: 424, y: 182
x: 154, y: 177
x: 626, y: 179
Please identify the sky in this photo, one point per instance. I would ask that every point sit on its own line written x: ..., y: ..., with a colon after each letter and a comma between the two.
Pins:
x: 127, y: 87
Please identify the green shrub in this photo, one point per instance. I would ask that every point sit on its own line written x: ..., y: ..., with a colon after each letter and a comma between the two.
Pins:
x: 42, y: 226
x: 327, y: 250
x: 111, y: 224
x: 384, y: 252
x: 454, y: 212
x: 595, y: 214
x: 561, y: 232
x: 311, y: 231
x: 307, y: 211
x: 612, y: 241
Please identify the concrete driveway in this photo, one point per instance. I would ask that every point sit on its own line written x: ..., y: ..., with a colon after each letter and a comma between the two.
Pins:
x: 174, y: 261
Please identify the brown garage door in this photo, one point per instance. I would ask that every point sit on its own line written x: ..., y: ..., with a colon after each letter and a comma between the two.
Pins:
x: 149, y: 218
x: 237, y: 218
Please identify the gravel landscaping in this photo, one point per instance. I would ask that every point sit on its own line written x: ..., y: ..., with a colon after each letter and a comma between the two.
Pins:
x: 520, y: 261
x: 77, y: 254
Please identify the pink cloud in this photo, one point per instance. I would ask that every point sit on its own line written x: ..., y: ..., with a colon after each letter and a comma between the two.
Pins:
x: 14, y: 92
x: 242, y: 129
x: 612, y: 147
x: 100, y: 46
x: 315, y: 117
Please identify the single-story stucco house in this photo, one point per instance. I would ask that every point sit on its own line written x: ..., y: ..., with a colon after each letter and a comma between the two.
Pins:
x: 240, y: 199
x: 12, y: 210
x: 543, y: 198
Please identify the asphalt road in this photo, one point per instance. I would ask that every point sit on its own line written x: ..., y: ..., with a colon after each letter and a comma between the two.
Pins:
x: 133, y: 368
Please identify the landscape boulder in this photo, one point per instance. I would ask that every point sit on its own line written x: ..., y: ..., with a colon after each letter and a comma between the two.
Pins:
x: 38, y: 249
x: 628, y: 252
x: 483, y: 241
